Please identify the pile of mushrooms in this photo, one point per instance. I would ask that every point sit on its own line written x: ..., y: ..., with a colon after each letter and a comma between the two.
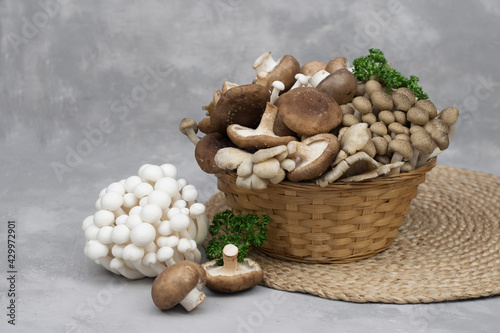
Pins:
x: 146, y: 223
x: 315, y: 123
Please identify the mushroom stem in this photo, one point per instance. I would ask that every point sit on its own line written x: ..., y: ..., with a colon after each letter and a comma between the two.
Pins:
x: 193, y: 299
x: 264, y: 62
x: 230, y: 257
x: 302, y: 81
x: 318, y: 77
x: 189, y: 128
x: 278, y: 86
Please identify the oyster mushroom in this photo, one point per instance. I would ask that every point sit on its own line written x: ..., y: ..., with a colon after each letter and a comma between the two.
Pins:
x: 268, y: 70
x: 261, y: 137
x: 232, y: 276
x: 243, y: 105
x: 309, y: 111
x: 355, y: 138
x: 354, y: 165
x: 312, y: 156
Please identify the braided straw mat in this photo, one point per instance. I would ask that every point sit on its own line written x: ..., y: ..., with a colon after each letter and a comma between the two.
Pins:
x: 447, y: 249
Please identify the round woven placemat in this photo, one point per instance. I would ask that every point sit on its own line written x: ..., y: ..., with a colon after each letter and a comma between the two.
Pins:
x: 447, y: 249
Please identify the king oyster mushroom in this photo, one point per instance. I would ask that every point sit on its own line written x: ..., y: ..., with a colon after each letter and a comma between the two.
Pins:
x: 309, y: 111
x: 243, y: 105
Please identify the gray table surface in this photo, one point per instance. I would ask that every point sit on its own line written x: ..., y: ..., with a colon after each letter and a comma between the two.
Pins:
x: 66, y: 67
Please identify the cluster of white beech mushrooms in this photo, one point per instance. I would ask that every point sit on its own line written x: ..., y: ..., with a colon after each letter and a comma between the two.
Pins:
x: 146, y: 223
x: 316, y: 123
x: 151, y: 225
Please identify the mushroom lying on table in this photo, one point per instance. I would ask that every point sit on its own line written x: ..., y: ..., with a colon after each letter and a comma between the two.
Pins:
x: 232, y: 276
x: 181, y: 284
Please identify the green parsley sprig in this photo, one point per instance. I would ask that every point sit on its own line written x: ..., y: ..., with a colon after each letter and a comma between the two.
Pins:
x: 242, y: 231
x: 376, y: 64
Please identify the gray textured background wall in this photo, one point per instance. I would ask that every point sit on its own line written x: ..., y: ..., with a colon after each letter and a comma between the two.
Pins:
x: 125, y: 72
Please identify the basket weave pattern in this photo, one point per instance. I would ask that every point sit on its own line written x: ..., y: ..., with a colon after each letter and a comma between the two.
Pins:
x: 340, y: 223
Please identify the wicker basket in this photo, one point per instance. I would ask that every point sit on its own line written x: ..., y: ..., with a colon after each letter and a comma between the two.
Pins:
x: 341, y: 223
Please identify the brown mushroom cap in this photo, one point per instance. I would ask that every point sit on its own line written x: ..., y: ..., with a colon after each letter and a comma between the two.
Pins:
x: 360, y: 89
x: 362, y: 104
x: 449, y: 115
x: 422, y: 141
x: 381, y: 100
x: 311, y: 67
x: 313, y: 156
x: 402, y: 147
x: 408, y: 93
x: 309, y: 111
x: 285, y: 71
x: 172, y: 285
x: 349, y: 120
x: 387, y: 117
x: 335, y: 64
x: 204, y: 125
x: 341, y: 85
x: 418, y: 116
x: 243, y: 105
x: 401, y: 101
x: 371, y: 86
x: 207, y: 148
x: 428, y: 106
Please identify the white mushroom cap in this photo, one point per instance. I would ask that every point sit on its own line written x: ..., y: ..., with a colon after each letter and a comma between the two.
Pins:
x: 164, y: 228
x: 168, y: 185
x: 169, y: 170
x: 112, y: 201
x: 130, y: 200
x: 160, y: 199
x: 133, y: 252
x: 120, y: 234
x: 143, y: 234
x: 131, y: 182
x: 151, y: 213
x: 91, y: 232
x: 96, y: 250
x: 116, y: 187
x: 133, y: 220
x: 142, y: 190
x: 179, y: 222
x: 88, y: 221
x: 104, y: 235
x: 103, y: 218
x: 152, y: 173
